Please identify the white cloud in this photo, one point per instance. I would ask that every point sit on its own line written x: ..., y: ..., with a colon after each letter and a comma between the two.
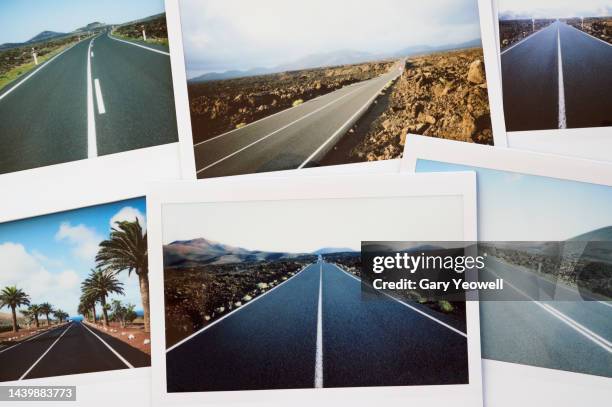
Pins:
x: 129, y: 213
x: 24, y: 270
x: 84, y: 240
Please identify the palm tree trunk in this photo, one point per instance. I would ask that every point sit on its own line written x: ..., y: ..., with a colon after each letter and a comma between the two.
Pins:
x: 143, y: 279
x: 104, y: 312
x: 94, y: 313
x: 48, y: 322
x: 15, y: 327
x: 36, y: 319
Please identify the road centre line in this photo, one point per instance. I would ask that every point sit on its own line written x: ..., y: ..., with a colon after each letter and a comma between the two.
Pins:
x: 30, y: 338
x: 182, y: 341
x: 35, y: 72
x: 359, y: 112
x: 318, y: 379
x: 410, y: 306
x: 99, y: 99
x: 138, y: 45
x: 592, y: 336
x: 562, y: 118
x: 278, y: 130
x: 43, y: 355
x: 524, y: 39
x: 282, y: 111
x: 92, y: 143
x: 121, y: 358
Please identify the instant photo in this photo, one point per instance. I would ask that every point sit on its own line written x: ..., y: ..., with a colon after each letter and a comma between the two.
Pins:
x: 275, y: 86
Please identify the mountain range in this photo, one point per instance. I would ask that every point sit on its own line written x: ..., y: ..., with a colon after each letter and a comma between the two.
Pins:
x: 197, y: 252
x: 334, y: 58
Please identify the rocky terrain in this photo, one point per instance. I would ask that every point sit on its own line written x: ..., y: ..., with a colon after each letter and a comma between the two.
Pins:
x: 196, y: 296
x: 155, y: 29
x: 513, y: 31
x: 15, y: 62
x: 441, y: 95
x: 599, y: 27
x: 223, y: 105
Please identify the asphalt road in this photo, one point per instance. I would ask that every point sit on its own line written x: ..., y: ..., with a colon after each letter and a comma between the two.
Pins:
x: 52, y: 117
x: 69, y: 349
x: 293, y: 138
x: 315, y: 330
x: 568, y: 335
x: 537, y: 97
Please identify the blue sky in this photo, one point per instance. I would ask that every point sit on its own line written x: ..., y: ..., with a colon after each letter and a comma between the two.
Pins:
x: 49, y: 256
x: 23, y: 19
x: 244, y: 34
x: 514, y: 206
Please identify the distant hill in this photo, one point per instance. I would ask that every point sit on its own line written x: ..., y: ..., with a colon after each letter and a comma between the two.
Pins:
x: 329, y: 250
x: 334, y: 58
x: 202, y: 251
x: 40, y: 37
x: 91, y: 26
x: 604, y: 234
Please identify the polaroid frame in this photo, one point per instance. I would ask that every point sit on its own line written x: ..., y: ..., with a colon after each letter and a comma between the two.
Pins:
x: 539, y: 386
x: 592, y: 143
x: 309, y: 188
x: 181, y: 97
x: 79, y: 183
x: 130, y: 386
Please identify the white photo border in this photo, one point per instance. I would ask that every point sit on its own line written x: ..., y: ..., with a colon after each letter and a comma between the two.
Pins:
x: 181, y: 96
x: 592, y: 143
x: 539, y: 386
x: 313, y: 187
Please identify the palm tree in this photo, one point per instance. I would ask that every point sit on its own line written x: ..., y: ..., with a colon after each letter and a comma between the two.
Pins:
x: 46, y: 309
x: 61, y: 315
x: 126, y: 249
x: 100, y: 284
x: 90, y: 304
x: 13, y: 297
x: 34, y: 310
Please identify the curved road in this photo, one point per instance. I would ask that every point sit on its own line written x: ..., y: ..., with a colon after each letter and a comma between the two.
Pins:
x: 293, y: 138
x: 557, y: 78
x: 101, y: 96
x: 316, y: 330
x: 71, y: 348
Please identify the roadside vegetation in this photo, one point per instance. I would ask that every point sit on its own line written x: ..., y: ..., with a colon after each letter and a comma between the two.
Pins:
x: 155, y: 30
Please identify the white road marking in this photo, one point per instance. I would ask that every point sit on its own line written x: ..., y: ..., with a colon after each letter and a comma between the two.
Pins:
x: 524, y: 39
x: 30, y: 338
x: 444, y: 324
x: 138, y: 45
x: 193, y: 335
x: 345, y: 125
x: 562, y: 119
x: 92, y: 143
x: 92, y: 54
x: 318, y: 379
x: 587, y: 34
x: 278, y: 130
x: 43, y: 355
x: 592, y: 336
x: 34, y: 72
x: 121, y: 358
x: 99, y: 99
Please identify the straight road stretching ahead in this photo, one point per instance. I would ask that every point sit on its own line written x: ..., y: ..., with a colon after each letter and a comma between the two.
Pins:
x: 315, y: 330
x: 293, y: 138
x: 568, y: 335
x: 68, y: 349
x: 101, y: 96
x: 557, y: 78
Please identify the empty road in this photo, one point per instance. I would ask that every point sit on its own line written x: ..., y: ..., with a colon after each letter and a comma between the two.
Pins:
x: 557, y: 78
x: 101, y: 96
x: 573, y: 335
x: 293, y: 138
x: 316, y: 330
x: 68, y: 349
